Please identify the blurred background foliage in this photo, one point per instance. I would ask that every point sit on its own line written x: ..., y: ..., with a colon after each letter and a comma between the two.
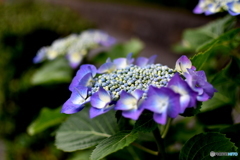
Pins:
x: 26, y: 27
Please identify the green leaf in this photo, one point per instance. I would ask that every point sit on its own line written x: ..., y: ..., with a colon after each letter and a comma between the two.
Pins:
x: 145, y: 123
x: 80, y: 132
x: 233, y: 132
x: 113, y: 144
x: 193, y: 38
x: 120, y: 50
x: 224, y: 46
x: 225, y: 82
x: 228, y: 40
x: 200, y: 146
x: 47, y: 118
x: 81, y: 155
x: 55, y: 71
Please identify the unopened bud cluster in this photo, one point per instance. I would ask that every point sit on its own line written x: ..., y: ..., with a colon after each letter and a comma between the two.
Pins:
x: 133, y: 77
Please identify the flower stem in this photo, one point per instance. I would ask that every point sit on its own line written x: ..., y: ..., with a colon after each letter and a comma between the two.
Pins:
x: 145, y: 149
x: 166, y: 127
x: 160, y: 144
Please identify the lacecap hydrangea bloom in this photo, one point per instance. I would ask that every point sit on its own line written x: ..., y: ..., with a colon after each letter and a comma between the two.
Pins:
x: 134, y: 86
x: 214, y: 6
x: 74, y: 46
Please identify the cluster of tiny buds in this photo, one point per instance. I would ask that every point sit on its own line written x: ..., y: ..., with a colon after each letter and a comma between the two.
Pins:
x: 131, y: 78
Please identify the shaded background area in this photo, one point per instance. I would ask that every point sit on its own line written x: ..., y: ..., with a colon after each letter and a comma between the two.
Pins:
x: 159, y: 24
x: 26, y: 27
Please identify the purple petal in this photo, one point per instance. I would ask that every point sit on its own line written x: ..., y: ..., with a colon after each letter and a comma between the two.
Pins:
x: 82, y: 90
x: 137, y: 93
x: 133, y: 114
x: 198, y: 81
x: 198, y: 10
x: 232, y: 9
x: 126, y: 102
x: 141, y: 61
x: 130, y: 60
x: 108, y: 42
x: 107, y: 67
x: 162, y: 99
x: 40, y: 55
x: 203, y: 97
x: 152, y: 59
x: 160, y: 118
x: 96, y: 101
x: 120, y: 63
x: 70, y: 108
x: 104, y: 95
x: 84, y: 69
x: 182, y: 64
x: 86, y: 80
x: 74, y: 59
x: 96, y: 112
x: 187, y: 95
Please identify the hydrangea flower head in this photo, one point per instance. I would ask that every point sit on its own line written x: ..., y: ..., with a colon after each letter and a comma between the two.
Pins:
x: 132, y: 87
x: 74, y: 46
x: 214, y: 6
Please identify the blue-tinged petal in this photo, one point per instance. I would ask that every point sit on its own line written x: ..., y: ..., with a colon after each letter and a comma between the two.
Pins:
x: 78, y: 97
x: 86, y: 80
x: 82, y: 90
x: 130, y: 60
x: 160, y: 118
x: 133, y: 114
x: 108, y: 60
x: 203, y: 97
x: 198, y: 10
x: 152, y: 59
x: 198, y: 82
x: 120, y: 63
x: 187, y: 95
x: 84, y: 69
x: 108, y: 41
x: 141, y: 61
x: 157, y: 100
x: 107, y: 67
x: 104, y: 95
x: 182, y: 64
x: 126, y: 102
x: 96, y: 112
x: 234, y: 8
x: 137, y: 93
x: 41, y: 55
x: 74, y: 59
x: 96, y: 102
x: 70, y: 108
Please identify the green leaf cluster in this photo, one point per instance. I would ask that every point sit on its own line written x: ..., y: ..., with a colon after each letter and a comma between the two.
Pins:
x: 193, y: 39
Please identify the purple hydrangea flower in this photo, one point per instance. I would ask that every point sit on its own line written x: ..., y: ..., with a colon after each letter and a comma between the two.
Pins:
x: 131, y: 88
x: 74, y: 47
x: 143, y: 61
x: 83, y: 76
x: 100, y: 102
x: 130, y: 104
x: 187, y: 94
x: 163, y: 102
x: 197, y: 80
x: 214, y: 6
x: 76, y: 102
x: 182, y: 64
x: 234, y: 8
